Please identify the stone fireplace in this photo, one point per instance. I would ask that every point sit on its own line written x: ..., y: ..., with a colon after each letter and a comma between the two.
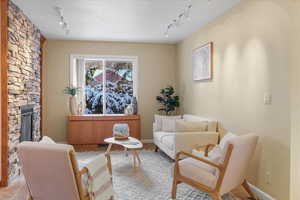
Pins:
x: 24, y: 87
x: 27, y: 122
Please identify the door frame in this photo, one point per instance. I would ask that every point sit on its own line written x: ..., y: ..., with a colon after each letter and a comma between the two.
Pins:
x: 4, y: 93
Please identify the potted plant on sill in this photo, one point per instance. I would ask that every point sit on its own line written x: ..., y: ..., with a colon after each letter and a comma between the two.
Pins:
x: 168, y: 99
x: 72, y: 91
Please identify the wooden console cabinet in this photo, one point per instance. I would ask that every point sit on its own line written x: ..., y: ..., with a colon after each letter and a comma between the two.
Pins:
x: 91, y: 130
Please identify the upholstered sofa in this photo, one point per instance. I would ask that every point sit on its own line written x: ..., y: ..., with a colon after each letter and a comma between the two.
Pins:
x: 174, y: 141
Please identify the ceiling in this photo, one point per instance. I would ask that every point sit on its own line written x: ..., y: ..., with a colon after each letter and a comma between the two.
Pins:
x: 121, y: 20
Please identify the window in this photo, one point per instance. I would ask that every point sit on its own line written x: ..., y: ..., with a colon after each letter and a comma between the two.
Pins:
x: 107, y: 84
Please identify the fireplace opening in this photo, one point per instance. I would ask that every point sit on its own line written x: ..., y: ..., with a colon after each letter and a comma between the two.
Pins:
x: 26, y: 123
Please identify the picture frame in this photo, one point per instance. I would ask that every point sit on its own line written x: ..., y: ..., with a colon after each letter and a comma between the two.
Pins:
x: 203, y: 62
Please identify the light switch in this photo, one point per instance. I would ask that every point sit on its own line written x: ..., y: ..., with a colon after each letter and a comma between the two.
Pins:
x: 268, y: 99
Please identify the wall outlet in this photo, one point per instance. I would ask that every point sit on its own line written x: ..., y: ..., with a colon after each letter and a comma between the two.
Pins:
x: 268, y: 177
x: 267, y: 98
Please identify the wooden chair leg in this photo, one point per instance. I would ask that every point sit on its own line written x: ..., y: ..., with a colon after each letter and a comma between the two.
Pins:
x: 156, y: 148
x: 216, y: 196
x: 248, y: 190
x: 174, y: 188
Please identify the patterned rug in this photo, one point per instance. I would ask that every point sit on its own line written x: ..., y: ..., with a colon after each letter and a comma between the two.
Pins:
x: 151, y: 181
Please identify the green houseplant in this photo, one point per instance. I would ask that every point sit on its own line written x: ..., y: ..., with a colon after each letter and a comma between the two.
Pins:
x: 72, y: 91
x: 168, y: 99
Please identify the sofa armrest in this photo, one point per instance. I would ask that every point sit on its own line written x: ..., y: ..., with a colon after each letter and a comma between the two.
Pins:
x: 155, y: 127
x: 187, y: 141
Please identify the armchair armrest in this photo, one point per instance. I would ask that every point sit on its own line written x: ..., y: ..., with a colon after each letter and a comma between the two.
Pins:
x: 207, y: 148
x: 220, y: 167
x: 187, y: 141
x: 83, y: 171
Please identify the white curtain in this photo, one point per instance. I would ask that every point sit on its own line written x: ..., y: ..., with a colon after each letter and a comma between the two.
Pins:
x: 79, y: 81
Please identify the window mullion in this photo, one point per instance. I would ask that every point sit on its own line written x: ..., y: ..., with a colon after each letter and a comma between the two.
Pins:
x: 104, y: 86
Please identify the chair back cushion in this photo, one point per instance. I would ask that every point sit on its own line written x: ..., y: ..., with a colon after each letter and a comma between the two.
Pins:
x: 48, y: 171
x: 243, y: 150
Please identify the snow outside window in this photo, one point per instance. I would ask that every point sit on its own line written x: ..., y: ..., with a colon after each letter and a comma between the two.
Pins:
x: 108, y: 84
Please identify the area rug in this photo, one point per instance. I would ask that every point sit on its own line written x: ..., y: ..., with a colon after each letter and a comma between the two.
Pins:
x: 151, y: 181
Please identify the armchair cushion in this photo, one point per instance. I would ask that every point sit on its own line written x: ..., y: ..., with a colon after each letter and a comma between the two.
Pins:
x: 198, y: 171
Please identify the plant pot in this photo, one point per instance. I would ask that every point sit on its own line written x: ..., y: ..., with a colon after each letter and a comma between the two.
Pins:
x: 73, y: 105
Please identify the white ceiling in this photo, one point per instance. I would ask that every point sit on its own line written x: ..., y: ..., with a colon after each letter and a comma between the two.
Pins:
x: 121, y: 20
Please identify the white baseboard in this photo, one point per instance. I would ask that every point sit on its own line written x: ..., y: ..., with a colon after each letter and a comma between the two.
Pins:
x: 260, y: 194
x: 147, y: 141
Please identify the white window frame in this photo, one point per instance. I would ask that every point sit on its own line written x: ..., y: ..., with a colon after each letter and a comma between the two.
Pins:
x: 104, y: 58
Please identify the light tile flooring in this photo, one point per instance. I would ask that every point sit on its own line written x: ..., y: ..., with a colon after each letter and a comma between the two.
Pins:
x: 16, y: 191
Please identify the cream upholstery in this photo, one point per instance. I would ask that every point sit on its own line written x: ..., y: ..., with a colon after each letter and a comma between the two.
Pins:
x: 198, y: 171
x: 243, y: 150
x: 51, y: 172
x: 232, y: 175
x: 174, y: 142
x: 47, y: 166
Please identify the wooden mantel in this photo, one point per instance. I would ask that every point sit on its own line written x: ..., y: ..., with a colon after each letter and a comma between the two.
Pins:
x: 92, y: 129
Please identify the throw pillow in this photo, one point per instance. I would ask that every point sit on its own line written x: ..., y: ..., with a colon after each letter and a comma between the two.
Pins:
x: 158, y: 120
x: 224, y: 141
x: 216, y: 154
x: 212, y: 126
x: 47, y: 140
x: 189, y: 126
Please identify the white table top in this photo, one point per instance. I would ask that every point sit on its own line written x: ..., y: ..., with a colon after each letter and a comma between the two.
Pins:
x: 131, y: 143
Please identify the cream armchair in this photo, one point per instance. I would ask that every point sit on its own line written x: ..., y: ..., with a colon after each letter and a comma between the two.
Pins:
x: 217, y: 178
x: 172, y: 142
x: 51, y: 172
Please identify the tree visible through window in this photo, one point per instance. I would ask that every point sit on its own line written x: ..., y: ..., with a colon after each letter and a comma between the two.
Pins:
x: 108, y: 86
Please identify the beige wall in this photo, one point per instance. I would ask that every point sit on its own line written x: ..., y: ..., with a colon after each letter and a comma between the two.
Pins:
x: 156, y: 70
x: 295, y: 102
x: 251, y: 57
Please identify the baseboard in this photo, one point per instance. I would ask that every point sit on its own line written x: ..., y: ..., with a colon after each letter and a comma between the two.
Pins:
x: 147, y: 141
x: 260, y: 194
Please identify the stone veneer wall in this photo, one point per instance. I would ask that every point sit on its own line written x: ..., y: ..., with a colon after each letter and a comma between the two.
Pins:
x: 23, y: 78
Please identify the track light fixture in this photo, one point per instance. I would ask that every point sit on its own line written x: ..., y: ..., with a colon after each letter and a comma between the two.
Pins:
x: 181, y: 18
x: 62, y: 22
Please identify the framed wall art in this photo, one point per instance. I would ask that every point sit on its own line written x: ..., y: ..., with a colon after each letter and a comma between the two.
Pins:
x: 202, y: 62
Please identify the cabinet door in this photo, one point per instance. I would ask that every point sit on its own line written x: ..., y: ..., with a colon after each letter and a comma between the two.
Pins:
x: 85, y: 132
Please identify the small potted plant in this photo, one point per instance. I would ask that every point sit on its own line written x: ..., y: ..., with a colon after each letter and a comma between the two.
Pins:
x: 72, y: 91
x: 168, y: 99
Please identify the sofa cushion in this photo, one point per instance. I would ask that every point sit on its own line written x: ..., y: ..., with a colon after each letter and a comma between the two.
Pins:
x: 158, y: 120
x: 190, y: 126
x: 198, y: 171
x: 212, y: 124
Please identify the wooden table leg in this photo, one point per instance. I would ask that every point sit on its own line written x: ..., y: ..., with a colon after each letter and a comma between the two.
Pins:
x: 109, y: 159
x: 134, y: 158
x: 138, y: 157
x: 108, y: 148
